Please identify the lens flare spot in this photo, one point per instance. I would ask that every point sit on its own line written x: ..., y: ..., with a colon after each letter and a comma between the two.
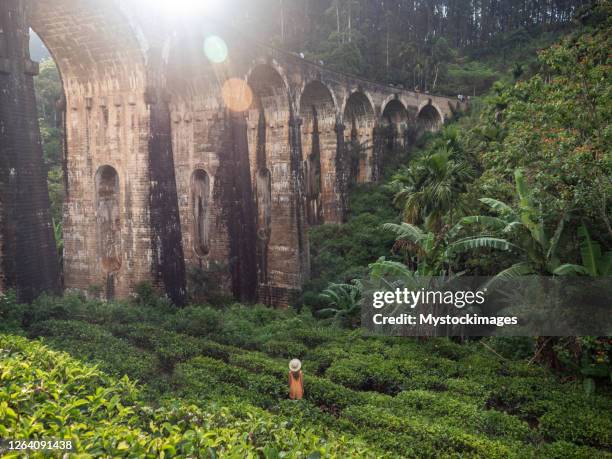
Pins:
x: 215, y: 49
x: 237, y: 95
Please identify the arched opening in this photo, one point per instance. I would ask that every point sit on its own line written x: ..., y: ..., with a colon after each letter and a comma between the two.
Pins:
x: 263, y: 191
x: 268, y: 87
x: 50, y: 102
x: 108, y: 218
x: 200, y: 211
x: 268, y: 138
x: 394, y: 120
x: 268, y: 115
x: 428, y: 119
x: 359, y: 124
x: 264, y: 204
x: 318, y: 114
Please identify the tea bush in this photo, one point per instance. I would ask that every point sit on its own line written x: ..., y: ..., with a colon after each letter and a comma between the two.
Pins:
x: 375, y: 373
x: 46, y: 394
x: 11, y: 313
x: 402, y: 397
x: 92, y: 342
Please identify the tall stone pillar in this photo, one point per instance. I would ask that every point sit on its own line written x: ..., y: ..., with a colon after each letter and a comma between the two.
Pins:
x: 239, y: 208
x: 297, y: 177
x: 343, y: 170
x: 28, y: 255
x: 166, y: 238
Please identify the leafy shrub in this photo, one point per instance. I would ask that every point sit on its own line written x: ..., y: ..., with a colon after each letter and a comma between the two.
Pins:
x: 322, y: 358
x: 566, y: 450
x: 578, y: 424
x: 447, y: 348
x: 216, y: 350
x: 47, y: 307
x: 104, y: 417
x: 483, y: 404
x: 197, y: 320
x: 514, y: 348
x: 11, y: 313
x: 314, y: 336
x: 259, y: 363
x: 447, y: 409
x: 417, y: 438
x: 203, y: 376
x: 465, y: 387
x: 93, y: 343
x: 328, y: 395
x: 209, y: 285
x: 287, y: 349
x: 170, y: 347
x: 368, y: 373
x: 146, y: 295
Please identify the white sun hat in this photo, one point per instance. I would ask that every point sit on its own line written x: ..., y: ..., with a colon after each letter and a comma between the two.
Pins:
x: 295, y: 365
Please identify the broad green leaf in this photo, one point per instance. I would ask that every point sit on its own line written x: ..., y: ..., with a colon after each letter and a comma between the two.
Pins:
x: 478, y: 242
x: 589, y: 250
x: 570, y: 270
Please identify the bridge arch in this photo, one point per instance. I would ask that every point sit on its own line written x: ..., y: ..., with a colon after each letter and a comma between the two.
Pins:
x: 268, y: 80
x: 394, y: 112
x: 359, y: 120
x: 429, y: 118
x: 108, y: 53
x: 318, y: 92
x: 394, y: 120
x: 358, y: 105
x: 100, y: 52
x: 189, y: 73
x: 268, y: 115
x: 270, y: 153
x: 318, y: 114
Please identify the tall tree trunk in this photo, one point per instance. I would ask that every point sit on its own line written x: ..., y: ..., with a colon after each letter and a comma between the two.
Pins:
x: 282, y: 21
x: 433, y: 87
x: 349, y: 21
x: 338, y: 18
x: 387, y: 47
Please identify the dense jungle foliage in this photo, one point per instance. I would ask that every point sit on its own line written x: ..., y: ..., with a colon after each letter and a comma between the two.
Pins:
x: 447, y: 46
x: 521, y: 185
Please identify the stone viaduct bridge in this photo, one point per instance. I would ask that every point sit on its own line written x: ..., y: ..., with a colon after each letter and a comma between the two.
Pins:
x: 186, y: 144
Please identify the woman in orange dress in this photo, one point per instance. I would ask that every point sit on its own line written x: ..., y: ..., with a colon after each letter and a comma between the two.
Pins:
x: 296, y: 380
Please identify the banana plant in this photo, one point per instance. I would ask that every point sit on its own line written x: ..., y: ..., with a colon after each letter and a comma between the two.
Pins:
x: 522, y: 230
x: 594, y: 262
x: 434, y: 252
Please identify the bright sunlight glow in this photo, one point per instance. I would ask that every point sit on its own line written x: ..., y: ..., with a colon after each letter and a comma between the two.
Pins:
x: 182, y: 7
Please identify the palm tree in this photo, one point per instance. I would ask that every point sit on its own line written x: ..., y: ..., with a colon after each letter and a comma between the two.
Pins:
x: 344, y: 303
x: 433, y: 187
x: 423, y: 245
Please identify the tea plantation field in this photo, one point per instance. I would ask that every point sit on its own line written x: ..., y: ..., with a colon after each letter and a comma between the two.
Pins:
x: 204, y: 382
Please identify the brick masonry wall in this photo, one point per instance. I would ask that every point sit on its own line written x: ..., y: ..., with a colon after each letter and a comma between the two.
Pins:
x: 142, y: 99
